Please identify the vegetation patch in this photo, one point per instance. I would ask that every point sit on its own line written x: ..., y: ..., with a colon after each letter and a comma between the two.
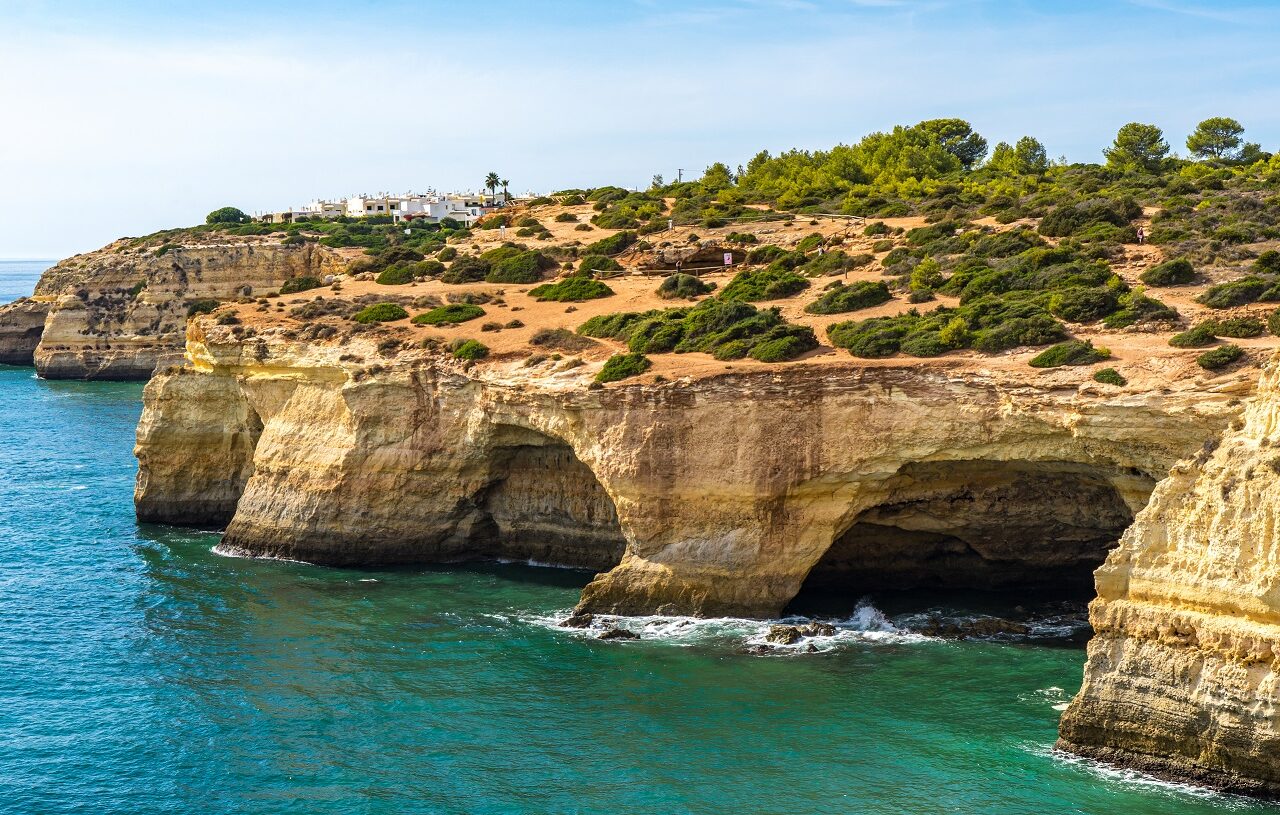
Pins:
x: 451, y: 314
x: 1200, y: 336
x: 572, y: 290
x: 611, y: 245
x: 1110, y: 376
x: 1176, y: 272
x: 773, y: 282
x: 599, y: 263
x: 1071, y: 352
x: 1219, y: 357
x: 296, y: 284
x: 726, y: 329
x: 380, y: 313
x: 203, y: 306
x: 623, y: 366
x: 561, y: 339
x: 684, y: 287
x: 990, y: 324
x: 839, y: 298
x: 1239, y: 327
x: 469, y: 350
x: 1240, y: 292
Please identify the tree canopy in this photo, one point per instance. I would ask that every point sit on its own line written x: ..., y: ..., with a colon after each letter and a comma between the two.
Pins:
x: 1137, y: 147
x: 227, y: 215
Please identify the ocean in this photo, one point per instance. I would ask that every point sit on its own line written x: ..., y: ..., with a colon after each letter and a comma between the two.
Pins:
x: 142, y: 673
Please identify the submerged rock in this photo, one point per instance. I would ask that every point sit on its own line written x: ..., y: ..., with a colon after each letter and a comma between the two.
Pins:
x: 784, y: 634
x: 584, y: 620
x: 965, y: 629
x: 618, y: 634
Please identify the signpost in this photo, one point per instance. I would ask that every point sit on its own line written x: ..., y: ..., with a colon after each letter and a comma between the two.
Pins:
x: 728, y: 258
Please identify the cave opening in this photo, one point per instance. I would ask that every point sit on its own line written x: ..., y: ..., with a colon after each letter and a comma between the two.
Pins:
x: 542, y: 505
x: 1013, y: 532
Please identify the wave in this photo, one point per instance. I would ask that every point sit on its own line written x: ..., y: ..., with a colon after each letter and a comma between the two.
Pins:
x: 1136, y: 778
x: 866, y: 624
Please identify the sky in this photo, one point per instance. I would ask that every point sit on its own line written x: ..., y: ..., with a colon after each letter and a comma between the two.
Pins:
x: 121, y: 118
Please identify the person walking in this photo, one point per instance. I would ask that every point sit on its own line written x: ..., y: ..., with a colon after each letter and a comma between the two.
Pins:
x: 1142, y: 236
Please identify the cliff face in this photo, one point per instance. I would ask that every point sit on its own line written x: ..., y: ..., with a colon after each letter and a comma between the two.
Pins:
x: 21, y: 324
x: 1182, y: 676
x: 704, y: 496
x: 119, y: 312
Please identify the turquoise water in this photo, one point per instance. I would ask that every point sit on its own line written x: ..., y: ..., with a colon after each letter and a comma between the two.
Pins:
x: 141, y: 673
x: 18, y: 277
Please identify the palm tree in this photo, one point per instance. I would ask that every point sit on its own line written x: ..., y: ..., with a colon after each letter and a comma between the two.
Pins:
x: 506, y: 196
x: 491, y: 182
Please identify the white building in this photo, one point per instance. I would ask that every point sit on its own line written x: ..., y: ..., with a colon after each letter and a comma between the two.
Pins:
x: 466, y: 208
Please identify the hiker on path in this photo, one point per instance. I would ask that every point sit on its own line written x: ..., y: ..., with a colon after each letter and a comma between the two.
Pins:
x: 1142, y: 236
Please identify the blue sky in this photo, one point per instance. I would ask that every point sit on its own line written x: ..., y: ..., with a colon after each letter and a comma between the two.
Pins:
x: 126, y: 117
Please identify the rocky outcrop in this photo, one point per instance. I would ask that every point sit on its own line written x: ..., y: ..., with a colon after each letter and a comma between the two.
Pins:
x: 706, y: 496
x: 119, y: 312
x: 1182, y: 677
x: 21, y: 324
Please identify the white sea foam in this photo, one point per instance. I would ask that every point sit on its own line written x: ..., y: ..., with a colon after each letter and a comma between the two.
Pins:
x: 867, y: 624
x: 1128, y: 777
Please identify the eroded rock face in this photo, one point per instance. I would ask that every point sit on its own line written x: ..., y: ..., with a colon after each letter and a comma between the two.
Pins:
x: 119, y: 312
x: 21, y: 324
x: 1182, y: 678
x: 718, y: 495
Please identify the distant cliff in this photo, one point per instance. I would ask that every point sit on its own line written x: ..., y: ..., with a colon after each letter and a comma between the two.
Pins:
x: 119, y: 311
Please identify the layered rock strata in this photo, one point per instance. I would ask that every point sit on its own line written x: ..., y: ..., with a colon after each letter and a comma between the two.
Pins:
x: 119, y: 312
x: 1182, y: 677
x: 710, y: 496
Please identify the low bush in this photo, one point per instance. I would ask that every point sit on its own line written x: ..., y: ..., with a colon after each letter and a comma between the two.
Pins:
x: 599, y: 263
x: 683, y: 287
x: 396, y: 275
x: 1071, y: 352
x: 469, y: 350
x: 560, y: 339
x: 203, y: 306
x: 447, y: 254
x: 611, y: 245
x: 566, y: 218
x: 840, y: 298
x: 296, y: 284
x: 623, y: 366
x: 1136, y: 308
x: 773, y: 282
x: 876, y: 228
x: 810, y: 242
x: 1200, y: 336
x: 380, y: 313
x: 1110, y: 376
x: 1249, y: 289
x: 1219, y: 357
x: 1239, y: 327
x: 572, y: 290
x: 1083, y: 305
x: 512, y: 265
x: 451, y: 314
x: 726, y: 329
x: 990, y: 324
x: 1176, y: 272
x: 1273, y: 323
x: 466, y: 269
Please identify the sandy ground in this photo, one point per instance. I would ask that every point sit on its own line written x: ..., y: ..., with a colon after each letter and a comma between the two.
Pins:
x: 1145, y: 358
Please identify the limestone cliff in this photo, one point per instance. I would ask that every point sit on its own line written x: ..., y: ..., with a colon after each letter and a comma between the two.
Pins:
x: 120, y: 311
x: 1182, y: 676
x: 714, y: 495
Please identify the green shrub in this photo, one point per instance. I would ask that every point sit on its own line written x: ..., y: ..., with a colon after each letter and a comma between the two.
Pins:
x: 1240, y: 292
x: 1200, y: 336
x: 876, y: 228
x: 466, y: 269
x: 396, y: 275
x: 1268, y: 262
x: 516, y: 267
x: 447, y: 254
x: 296, y: 284
x: 227, y: 215
x: 560, y: 339
x: 451, y: 314
x: 1273, y: 323
x: 1176, y: 272
x: 566, y: 218
x: 380, y: 313
x: 683, y: 287
x: 1071, y: 352
x: 202, y: 306
x: 740, y: 238
x: 1136, y: 307
x: 773, y: 282
x: 1239, y: 327
x: 1083, y: 305
x: 599, y: 263
x: 611, y: 245
x: 765, y: 254
x: 571, y: 290
x: 469, y: 350
x: 1110, y: 376
x: 726, y: 329
x: 622, y: 366
x: 810, y: 242
x: 840, y: 298
x: 1219, y: 357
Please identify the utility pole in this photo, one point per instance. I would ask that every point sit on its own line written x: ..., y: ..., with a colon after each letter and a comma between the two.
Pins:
x: 679, y: 176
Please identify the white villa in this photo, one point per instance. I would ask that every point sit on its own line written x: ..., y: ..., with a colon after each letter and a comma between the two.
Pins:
x: 467, y: 208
